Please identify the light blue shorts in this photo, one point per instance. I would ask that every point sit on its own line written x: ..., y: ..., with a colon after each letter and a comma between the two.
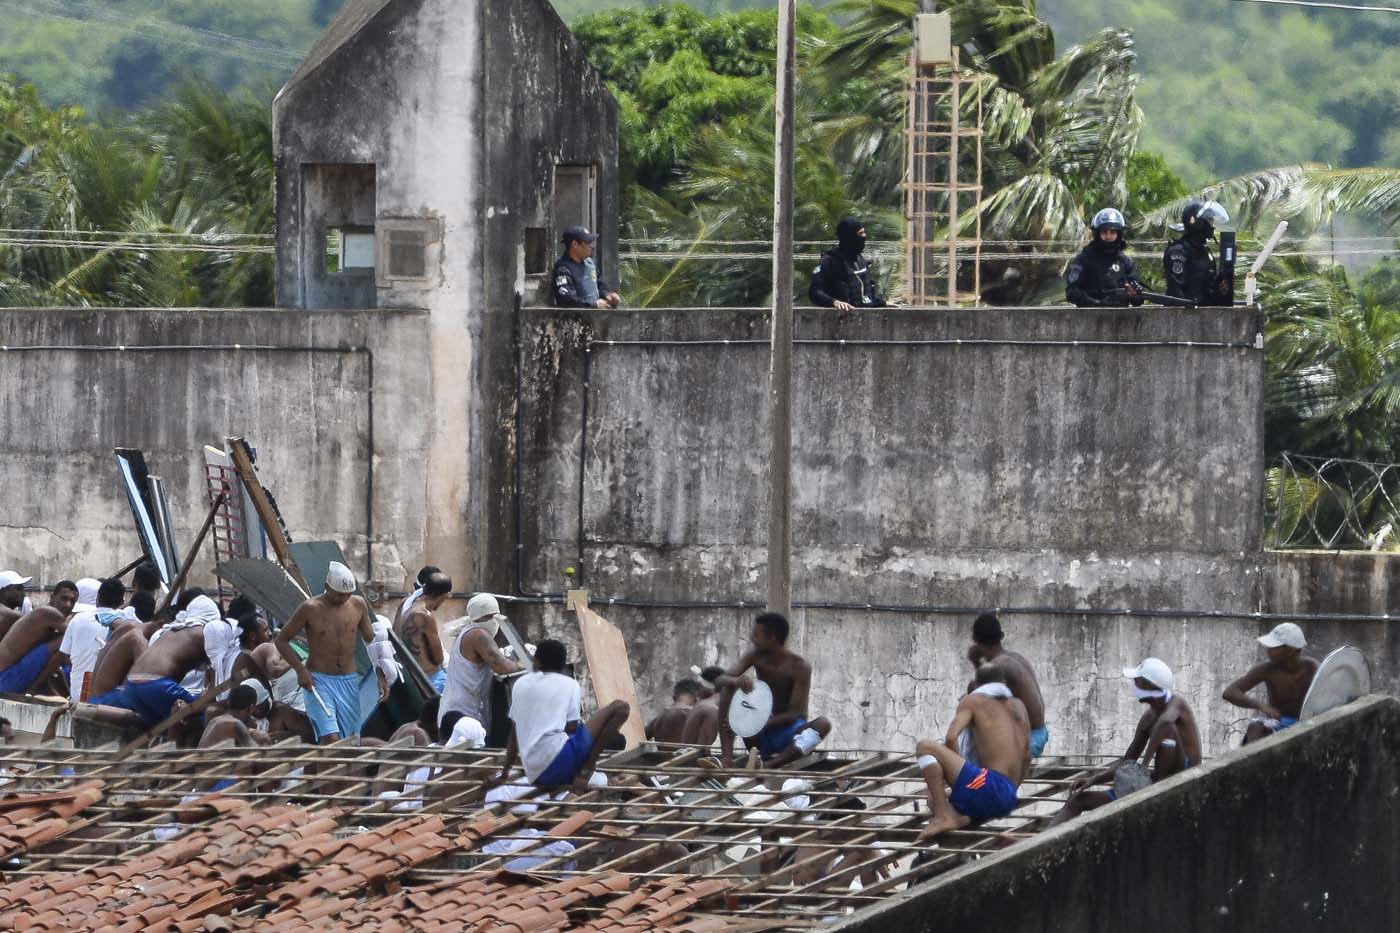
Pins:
x: 1039, y: 738
x: 341, y: 694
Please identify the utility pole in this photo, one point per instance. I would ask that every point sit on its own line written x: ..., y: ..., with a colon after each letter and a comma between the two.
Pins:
x: 780, y: 348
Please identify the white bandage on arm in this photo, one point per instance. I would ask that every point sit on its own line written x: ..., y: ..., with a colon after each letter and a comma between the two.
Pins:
x: 807, y: 740
x: 926, y: 761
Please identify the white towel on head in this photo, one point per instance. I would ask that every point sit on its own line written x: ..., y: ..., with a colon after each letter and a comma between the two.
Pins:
x: 406, y: 606
x: 87, y: 590
x: 994, y: 690
x: 201, y: 611
x: 468, y: 733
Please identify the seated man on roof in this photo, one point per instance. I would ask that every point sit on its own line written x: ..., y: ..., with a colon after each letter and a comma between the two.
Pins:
x: 669, y: 724
x: 702, y: 726
x: 788, y: 734
x: 987, y: 648
x: 1286, y: 677
x: 27, y: 649
x: 153, y: 686
x: 547, y: 731
x: 972, y: 776
x: 332, y: 622
x: 238, y: 723
x: 1166, y: 740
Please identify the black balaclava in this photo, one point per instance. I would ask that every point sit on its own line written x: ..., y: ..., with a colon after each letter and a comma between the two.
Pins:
x: 846, y: 236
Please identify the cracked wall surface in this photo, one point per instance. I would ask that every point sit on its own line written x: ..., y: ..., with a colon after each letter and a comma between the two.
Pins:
x: 1061, y: 475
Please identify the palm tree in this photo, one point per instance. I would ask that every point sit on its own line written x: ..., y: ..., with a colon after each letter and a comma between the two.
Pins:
x: 1058, y: 130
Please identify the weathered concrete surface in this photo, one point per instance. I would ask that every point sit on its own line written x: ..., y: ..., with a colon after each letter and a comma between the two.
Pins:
x: 461, y: 110
x: 1300, y: 832
x: 1016, y: 470
x: 310, y: 406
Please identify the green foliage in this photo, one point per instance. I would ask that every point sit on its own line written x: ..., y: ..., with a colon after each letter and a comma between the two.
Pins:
x: 198, y: 167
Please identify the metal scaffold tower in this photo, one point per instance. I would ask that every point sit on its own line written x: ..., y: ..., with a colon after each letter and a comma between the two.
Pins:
x: 942, y: 171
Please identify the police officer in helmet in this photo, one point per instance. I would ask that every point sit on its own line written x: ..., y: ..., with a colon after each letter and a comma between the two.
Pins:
x: 1102, y: 275
x: 1191, y: 270
x: 576, y: 280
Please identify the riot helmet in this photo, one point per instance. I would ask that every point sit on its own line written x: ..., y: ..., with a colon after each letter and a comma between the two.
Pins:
x: 1110, y: 218
x: 1201, y: 218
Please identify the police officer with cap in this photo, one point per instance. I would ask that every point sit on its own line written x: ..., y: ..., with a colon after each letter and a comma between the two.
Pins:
x: 1102, y: 275
x: 576, y: 280
x: 842, y: 279
x: 1191, y: 270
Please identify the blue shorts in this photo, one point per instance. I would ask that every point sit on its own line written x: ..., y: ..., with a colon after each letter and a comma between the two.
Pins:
x: 18, y: 676
x: 1039, y: 738
x: 982, y: 794
x: 152, y: 700
x: 439, y: 680
x: 342, y: 715
x: 1284, y: 722
x: 772, y: 741
x: 564, y: 768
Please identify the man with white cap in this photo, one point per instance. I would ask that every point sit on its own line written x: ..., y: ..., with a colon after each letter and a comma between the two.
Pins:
x: 12, y: 595
x: 329, y: 675
x: 1286, y: 677
x: 472, y: 662
x: 1166, y: 742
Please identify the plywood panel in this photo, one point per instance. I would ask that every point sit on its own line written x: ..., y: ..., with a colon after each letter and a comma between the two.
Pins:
x: 606, y: 654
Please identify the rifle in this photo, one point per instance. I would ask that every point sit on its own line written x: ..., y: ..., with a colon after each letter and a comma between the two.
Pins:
x: 1167, y: 300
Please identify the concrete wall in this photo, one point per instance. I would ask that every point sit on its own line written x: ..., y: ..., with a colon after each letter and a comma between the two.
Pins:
x: 463, y: 110
x: 78, y: 383
x: 1301, y: 832
x: 1021, y: 471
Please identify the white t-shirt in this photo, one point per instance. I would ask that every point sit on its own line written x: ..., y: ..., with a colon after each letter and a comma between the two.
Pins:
x: 82, y: 640
x: 540, y: 706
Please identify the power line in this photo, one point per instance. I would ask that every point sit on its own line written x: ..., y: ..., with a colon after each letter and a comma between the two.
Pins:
x: 164, y: 31
x: 1316, y: 4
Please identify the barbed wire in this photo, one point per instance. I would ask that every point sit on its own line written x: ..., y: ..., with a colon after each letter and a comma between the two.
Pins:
x: 1331, y: 502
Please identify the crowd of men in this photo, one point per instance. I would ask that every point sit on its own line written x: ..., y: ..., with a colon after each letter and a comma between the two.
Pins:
x: 137, y: 665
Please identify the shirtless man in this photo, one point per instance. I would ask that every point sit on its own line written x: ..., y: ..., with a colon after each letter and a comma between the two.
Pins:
x: 11, y: 599
x: 1286, y: 677
x: 669, y: 725
x: 702, y: 726
x: 115, y: 660
x: 418, y: 629
x: 1166, y: 741
x: 788, y: 735
x: 152, y: 687
x: 1020, y: 676
x: 472, y: 662
x: 329, y: 676
x: 991, y: 726
x: 236, y: 723
x: 27, y: 648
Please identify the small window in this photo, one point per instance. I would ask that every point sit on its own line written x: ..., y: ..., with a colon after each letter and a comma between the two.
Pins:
x: 536, y: 251
x: 349, y: 249
x: 408, y: 254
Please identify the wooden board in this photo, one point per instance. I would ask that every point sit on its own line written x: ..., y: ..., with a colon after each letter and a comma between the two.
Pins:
x: 611, y: 672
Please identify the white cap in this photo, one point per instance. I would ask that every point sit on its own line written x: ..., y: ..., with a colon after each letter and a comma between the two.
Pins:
x: 257, y: 688
x: 1285, y: 634
x: 339, y: 578
x: 10, y: 578
x: 1154, y: 671
x: 483, y: 607
x: 468, y: 732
